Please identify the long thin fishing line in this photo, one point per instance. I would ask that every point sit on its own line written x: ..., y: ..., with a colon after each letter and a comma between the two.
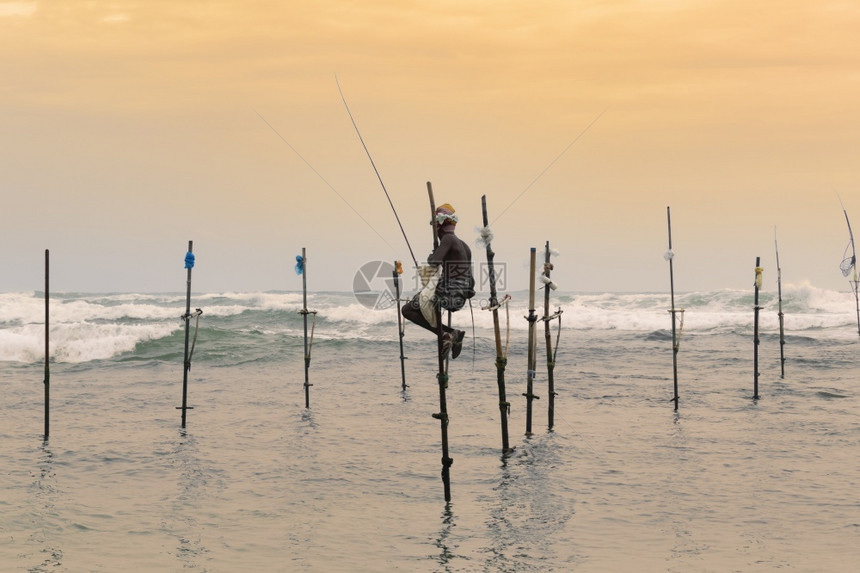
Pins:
x: 551, y: 163
x: 847, y: 269
x: 581, y: 437
x: 323, y: 179
x: 375, y: 170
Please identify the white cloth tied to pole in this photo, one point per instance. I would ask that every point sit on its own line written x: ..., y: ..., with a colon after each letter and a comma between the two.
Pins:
x: 485, y: 236
x: 547, y: 281
x: 430, y: 276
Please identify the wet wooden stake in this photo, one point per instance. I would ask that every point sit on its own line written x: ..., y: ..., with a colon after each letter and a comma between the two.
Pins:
x: 675, y: 342
x: 398, y: 269
x: 189, y: 264
x: 550, y: 353
x: 756, y: 308
x: 532, y: 350
x: 47, y: 351
x: 780, y: 314
x: 305, y: 313
x: 501, y: 358
x: 442, y: 375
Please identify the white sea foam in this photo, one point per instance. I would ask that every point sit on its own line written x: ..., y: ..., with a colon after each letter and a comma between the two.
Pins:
x: 77, y: 341
x: 95, y: 327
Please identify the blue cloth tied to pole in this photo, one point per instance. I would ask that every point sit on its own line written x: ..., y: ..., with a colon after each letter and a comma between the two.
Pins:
x: 189, y: 260
x: 300, y: 264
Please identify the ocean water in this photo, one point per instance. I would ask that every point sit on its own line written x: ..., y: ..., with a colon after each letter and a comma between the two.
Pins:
x: 257, y: 482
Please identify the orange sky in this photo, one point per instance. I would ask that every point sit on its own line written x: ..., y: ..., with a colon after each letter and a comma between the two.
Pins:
x: 129, y: 128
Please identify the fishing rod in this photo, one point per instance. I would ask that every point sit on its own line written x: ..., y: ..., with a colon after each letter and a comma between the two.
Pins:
x: 375, y: 170
x: 780, y: 313
x: 849, y: 264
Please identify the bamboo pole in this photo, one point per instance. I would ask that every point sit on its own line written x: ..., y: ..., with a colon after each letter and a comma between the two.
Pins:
x: 305, y: 320
x: 189, y: 264
x: 442, y: 375
x: 756, y: 308
x: 47, y: 349
x: 398, y: 268
x: 550, y: 355
x: 448, y: 354
x: 780, y: 314
x: 501, y: 359
x: 530, y: 373
x: 675, y: 342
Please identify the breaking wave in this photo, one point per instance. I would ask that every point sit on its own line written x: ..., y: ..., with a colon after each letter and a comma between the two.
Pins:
x: 125, y: 326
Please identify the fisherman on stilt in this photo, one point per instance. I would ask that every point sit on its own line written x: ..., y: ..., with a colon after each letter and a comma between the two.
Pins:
x: 450, y: 283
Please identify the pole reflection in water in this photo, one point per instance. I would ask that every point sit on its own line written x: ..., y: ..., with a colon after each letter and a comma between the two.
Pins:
x: 45, y: 516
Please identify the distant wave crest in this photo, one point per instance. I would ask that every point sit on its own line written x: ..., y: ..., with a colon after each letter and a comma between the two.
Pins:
x: 87, y: 327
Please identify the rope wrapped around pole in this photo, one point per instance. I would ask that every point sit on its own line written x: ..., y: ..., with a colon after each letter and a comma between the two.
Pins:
x: 196, y: 314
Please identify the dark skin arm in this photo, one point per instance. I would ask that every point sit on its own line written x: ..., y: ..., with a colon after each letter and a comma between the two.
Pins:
x: 450, y: 249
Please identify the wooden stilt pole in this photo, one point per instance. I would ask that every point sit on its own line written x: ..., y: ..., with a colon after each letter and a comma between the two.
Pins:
x: 780, y: 314
x: 442, y: 375
x: 442, y: 415
x: 532, y: 350
x: 448, y: 354
x: 305, y: 313
x: 501, y: 358
x: 756, y: 308
x: 550, y: 353
x: 398, y: 268
x: 47, y: 349
x: 676, y: 343
x: 189, y: 264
